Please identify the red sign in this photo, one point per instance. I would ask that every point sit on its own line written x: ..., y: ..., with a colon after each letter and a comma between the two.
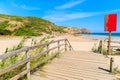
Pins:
x: 110, y: 22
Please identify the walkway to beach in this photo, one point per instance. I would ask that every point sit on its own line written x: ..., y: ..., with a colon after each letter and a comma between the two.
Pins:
x: 76, y: 65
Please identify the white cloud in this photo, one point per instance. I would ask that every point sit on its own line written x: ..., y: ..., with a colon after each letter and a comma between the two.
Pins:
x: 70, y: 4
x: 13, y: 4
x: 70, y: 16
x: 55, y: 17
x: 2, y: 11
x: 115, y: 10
x: 29, y: 8
x: 25, y: 7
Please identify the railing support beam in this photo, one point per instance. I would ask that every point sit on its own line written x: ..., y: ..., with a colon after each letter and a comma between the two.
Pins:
x: 28, y: 64
x: 65, y: 44
x: 58, y: 46
x: 111, y: 65
x: 48, y: 48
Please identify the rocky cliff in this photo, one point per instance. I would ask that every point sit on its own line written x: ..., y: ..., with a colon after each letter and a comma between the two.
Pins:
x: 71, y: 30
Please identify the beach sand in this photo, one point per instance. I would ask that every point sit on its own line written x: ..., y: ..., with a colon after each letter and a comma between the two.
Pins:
x: 78, y: 42
x: 10, y: 42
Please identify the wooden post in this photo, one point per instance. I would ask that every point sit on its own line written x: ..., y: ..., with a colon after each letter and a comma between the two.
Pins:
x: 111, y: 64
x: 109, y: 41
x: 65, y: 44
x: 47, y: 48
x: 70, y: 48
x: 58, y: 46
x: 100, y: 46
x: 28, y: 64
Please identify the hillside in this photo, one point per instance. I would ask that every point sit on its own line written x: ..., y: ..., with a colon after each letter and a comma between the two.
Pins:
x: 32, y: 26
x: 26, y: 26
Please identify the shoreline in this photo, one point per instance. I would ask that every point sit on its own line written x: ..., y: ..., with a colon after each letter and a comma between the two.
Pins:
x: 101, y: 37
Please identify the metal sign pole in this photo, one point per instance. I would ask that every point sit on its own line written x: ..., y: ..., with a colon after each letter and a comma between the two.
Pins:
x: 110, y: 25
x: 109, y: 43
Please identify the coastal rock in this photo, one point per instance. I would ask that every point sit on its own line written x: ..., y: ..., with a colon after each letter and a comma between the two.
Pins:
x: 71, y: 30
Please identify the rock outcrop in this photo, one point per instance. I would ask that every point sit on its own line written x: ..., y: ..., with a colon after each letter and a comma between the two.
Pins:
x: 76, y: 30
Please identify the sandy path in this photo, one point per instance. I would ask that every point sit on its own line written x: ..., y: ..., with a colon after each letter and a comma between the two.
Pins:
x: 75, y: 65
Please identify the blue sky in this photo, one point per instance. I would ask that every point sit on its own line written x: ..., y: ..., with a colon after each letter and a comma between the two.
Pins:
x: 75, y: 13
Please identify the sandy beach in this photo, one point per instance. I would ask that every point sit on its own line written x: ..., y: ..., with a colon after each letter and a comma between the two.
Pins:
x: 81, y: 43
x: 10, y: 42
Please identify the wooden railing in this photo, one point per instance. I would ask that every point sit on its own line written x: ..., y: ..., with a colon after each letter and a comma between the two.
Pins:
x: 28, y: 58
x: 117, y: 42
x: 100, y: 49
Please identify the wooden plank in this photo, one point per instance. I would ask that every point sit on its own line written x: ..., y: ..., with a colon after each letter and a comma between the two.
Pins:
x: 25, y: 49
x: 65, y: 45
x: 3, y: 56
x: 20, y: 75
x: 13, y: 66
x: 47, y: 48
x: 42, y: 53
x: 70, y: 67
x: 33, y: 47
x: 63, y: 49
x: 28, y: 64
x: 56, y: 41
x: 115, y: 46
x: 70, y: 47
x: 61, y: 45
x: 58, y: 46
x: 115, y: 42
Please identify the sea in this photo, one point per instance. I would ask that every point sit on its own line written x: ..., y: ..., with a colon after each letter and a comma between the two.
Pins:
x: 102, y: 36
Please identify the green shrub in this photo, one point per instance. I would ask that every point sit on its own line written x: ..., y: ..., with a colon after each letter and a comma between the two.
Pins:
x: 5, y: 32
x: 25, y: 32
x: 12, y: 60
x: 29, y: 26
x: 40, y: 62
x: 102, y: 49
x: 4, y: 24
x: 17, y: 18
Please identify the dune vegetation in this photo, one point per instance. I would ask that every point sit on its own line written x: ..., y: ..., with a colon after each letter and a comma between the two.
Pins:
x: 26, y: 26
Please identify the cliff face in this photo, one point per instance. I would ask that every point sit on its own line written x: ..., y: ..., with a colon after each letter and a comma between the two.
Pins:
x: 77, y: 30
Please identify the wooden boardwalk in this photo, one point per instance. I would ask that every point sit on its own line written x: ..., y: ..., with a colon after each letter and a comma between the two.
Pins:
x: 76, y: 65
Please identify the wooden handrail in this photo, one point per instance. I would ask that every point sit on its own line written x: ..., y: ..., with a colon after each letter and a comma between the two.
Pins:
x: 29, y: 58
x: 9, y: 54
x: 13, y: 66
x: 115, y: 46
x: 33, y: 47
x: 69, y: 44
x: 118, y: 42
x: 20, y: 75
x: 115, y: 42
x: 3, y: 56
